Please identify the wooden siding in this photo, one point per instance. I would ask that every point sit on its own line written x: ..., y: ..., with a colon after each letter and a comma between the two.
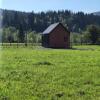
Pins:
x: 59, y: 38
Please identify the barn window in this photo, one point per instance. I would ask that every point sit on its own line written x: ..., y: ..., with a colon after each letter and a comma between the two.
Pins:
x: 65, y: 39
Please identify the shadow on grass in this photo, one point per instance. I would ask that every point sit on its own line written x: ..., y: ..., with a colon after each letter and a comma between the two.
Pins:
x: 43, y: 63
x: 83, y: 49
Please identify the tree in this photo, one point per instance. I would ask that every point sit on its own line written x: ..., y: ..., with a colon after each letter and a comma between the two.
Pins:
x: 94, y: 32
x: 1, y: 36
x: 86, y: 37
x: 75, y: 38
x: 25, y: 38
x: 33, y: 37
x: 21, y: 34
x: 10, y: 39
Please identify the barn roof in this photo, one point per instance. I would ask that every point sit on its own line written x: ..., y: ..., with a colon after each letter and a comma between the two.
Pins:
x: 51, y: 28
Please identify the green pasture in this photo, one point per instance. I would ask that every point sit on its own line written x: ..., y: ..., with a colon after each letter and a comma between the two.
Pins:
x: 37, y: 73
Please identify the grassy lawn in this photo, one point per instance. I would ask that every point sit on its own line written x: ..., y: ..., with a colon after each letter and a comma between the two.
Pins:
x: 50, y: 74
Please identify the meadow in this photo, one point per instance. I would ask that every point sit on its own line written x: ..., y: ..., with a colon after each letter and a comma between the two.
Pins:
x: 36, y: 73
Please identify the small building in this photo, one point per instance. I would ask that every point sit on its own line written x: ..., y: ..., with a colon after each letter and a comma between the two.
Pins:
x: 56, y: 36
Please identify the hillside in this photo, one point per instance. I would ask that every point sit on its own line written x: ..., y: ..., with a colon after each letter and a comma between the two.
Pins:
x: 97, y: 13
x: 40, y: 21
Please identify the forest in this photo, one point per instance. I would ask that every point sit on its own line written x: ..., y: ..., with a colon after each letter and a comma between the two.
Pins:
x: 25, y: 26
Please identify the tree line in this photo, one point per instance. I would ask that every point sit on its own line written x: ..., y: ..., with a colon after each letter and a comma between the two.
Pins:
x: 40, y: 21
x: 91, y: 35
x: 13, y: 35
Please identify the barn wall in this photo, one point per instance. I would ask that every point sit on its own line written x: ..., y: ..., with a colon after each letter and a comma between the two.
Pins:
x: 59, y: 38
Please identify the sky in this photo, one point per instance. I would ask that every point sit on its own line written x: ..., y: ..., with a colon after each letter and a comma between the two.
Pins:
x: 87, y: 6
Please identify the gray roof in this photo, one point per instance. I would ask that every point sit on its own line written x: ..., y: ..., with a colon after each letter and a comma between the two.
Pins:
x: 50, y: 28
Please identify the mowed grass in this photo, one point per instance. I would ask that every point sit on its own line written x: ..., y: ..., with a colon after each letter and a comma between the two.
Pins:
x: 50, y: 74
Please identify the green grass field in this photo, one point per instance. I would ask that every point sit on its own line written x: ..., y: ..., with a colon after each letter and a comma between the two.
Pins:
x: 50, y: 74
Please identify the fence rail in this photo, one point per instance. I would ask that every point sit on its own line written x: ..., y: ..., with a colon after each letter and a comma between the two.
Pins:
x: 33, y: 44
x: 19, y: 44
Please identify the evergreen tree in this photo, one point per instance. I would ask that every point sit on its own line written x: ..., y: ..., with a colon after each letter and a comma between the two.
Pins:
x: 21, y: 34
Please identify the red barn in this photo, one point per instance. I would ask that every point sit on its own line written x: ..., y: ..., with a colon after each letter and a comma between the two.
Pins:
x: 56, y: 36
